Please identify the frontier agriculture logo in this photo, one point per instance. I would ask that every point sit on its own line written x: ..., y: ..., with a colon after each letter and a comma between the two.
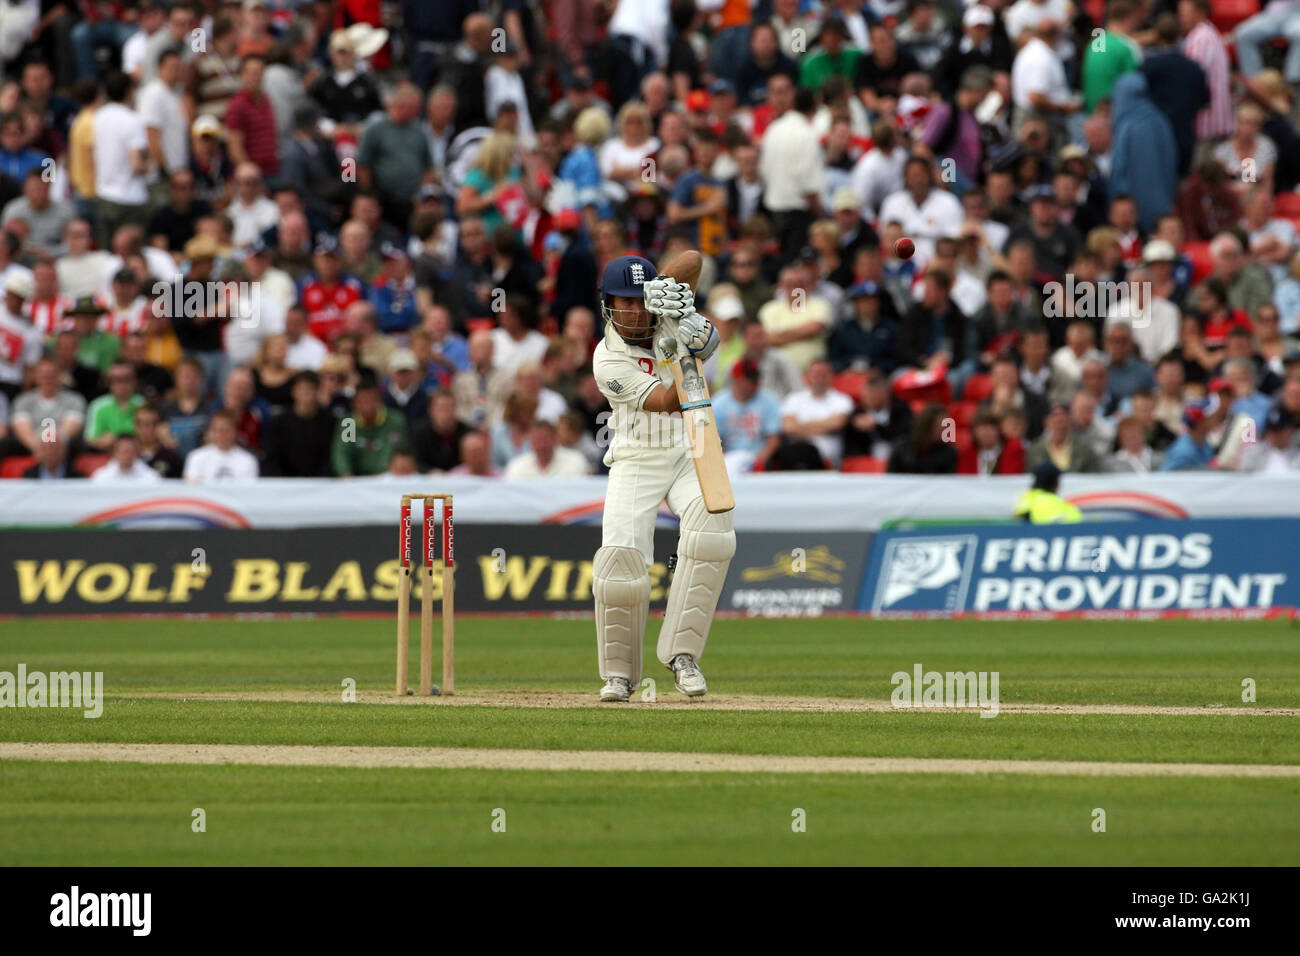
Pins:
x: 798, y: 582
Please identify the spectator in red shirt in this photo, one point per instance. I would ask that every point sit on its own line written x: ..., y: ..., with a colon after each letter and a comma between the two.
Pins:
x: 990, y: 452
x: 1124, y: 217
x: 251, y: 414
x: 327, y: 292
x: 255, y: 37
x: 1206, y: 202
x: 250, y: 122
x: 1220, y: 316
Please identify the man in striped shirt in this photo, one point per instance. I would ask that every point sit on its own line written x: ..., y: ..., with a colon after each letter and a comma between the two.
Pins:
x: 250, y: 122
x: 214, y: 77
x: 48, y: 303
x: 127, y: 310
x: 1203, y: 45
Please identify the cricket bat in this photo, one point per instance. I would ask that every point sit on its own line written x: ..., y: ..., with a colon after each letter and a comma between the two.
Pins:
x: 697, y: 405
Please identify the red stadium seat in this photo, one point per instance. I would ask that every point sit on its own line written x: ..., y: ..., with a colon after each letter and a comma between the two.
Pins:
x: 963, y: 413
x: 88, y: 462
x: 1096, y: 10
x: 863, y: 465
x: 480, y: 325
x: 978, y: 387
x: 1199, y: 253
x: 850, y: 383
x: 1226, y: 14
x: 1287, y: 205
x: 14, y: 467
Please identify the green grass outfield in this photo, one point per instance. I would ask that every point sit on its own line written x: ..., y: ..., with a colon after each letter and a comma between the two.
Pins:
x: 135, y: 813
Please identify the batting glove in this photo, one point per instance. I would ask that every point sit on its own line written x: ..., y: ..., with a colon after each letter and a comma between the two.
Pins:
x: 668, y: 298
x: 694, y: 332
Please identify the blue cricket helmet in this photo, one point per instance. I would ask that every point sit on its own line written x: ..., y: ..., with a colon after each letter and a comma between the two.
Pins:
x: 625, y: 276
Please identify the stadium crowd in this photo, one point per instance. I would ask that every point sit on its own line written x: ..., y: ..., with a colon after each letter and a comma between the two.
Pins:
x: 397, y: 228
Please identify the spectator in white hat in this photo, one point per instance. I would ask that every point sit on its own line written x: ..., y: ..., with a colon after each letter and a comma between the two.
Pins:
x: 725, y: 310
x: 404, y: 389
x: 21, y: 340
x: 855, y: 234
x: 345, y: 94
x: 209, y: 161
x: 1153, y: 320
x: 980, y: 44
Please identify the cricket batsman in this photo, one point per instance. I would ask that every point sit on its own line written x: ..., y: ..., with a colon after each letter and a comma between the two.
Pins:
x: 643, y: 314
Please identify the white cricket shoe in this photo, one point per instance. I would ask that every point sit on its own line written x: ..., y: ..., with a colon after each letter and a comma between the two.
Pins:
x: 688, y: 677
x: 618, y: 689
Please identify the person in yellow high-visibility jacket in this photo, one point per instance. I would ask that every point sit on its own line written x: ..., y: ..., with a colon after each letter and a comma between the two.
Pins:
x: 1041, y: 504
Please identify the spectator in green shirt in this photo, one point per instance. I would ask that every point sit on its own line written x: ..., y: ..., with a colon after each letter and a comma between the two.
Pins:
x: 832, y: 57
x: 364, y: 441
x: 394, y: 155
x: 98, y: 349
x: 1108, y: 57
x: 113, y: 414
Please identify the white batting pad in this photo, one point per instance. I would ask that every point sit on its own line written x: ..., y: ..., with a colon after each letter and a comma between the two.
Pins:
x: 622, y: 589
x: 703, y: 555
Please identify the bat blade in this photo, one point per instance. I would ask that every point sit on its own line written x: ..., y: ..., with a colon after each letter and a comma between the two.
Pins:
x: 693, y: 392
x: 702, y: 433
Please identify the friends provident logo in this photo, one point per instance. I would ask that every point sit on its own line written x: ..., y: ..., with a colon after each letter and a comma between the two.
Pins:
x: 915, y: 565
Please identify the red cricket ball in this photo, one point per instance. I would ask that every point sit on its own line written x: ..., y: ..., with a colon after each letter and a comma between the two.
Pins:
x: 904, y: 248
